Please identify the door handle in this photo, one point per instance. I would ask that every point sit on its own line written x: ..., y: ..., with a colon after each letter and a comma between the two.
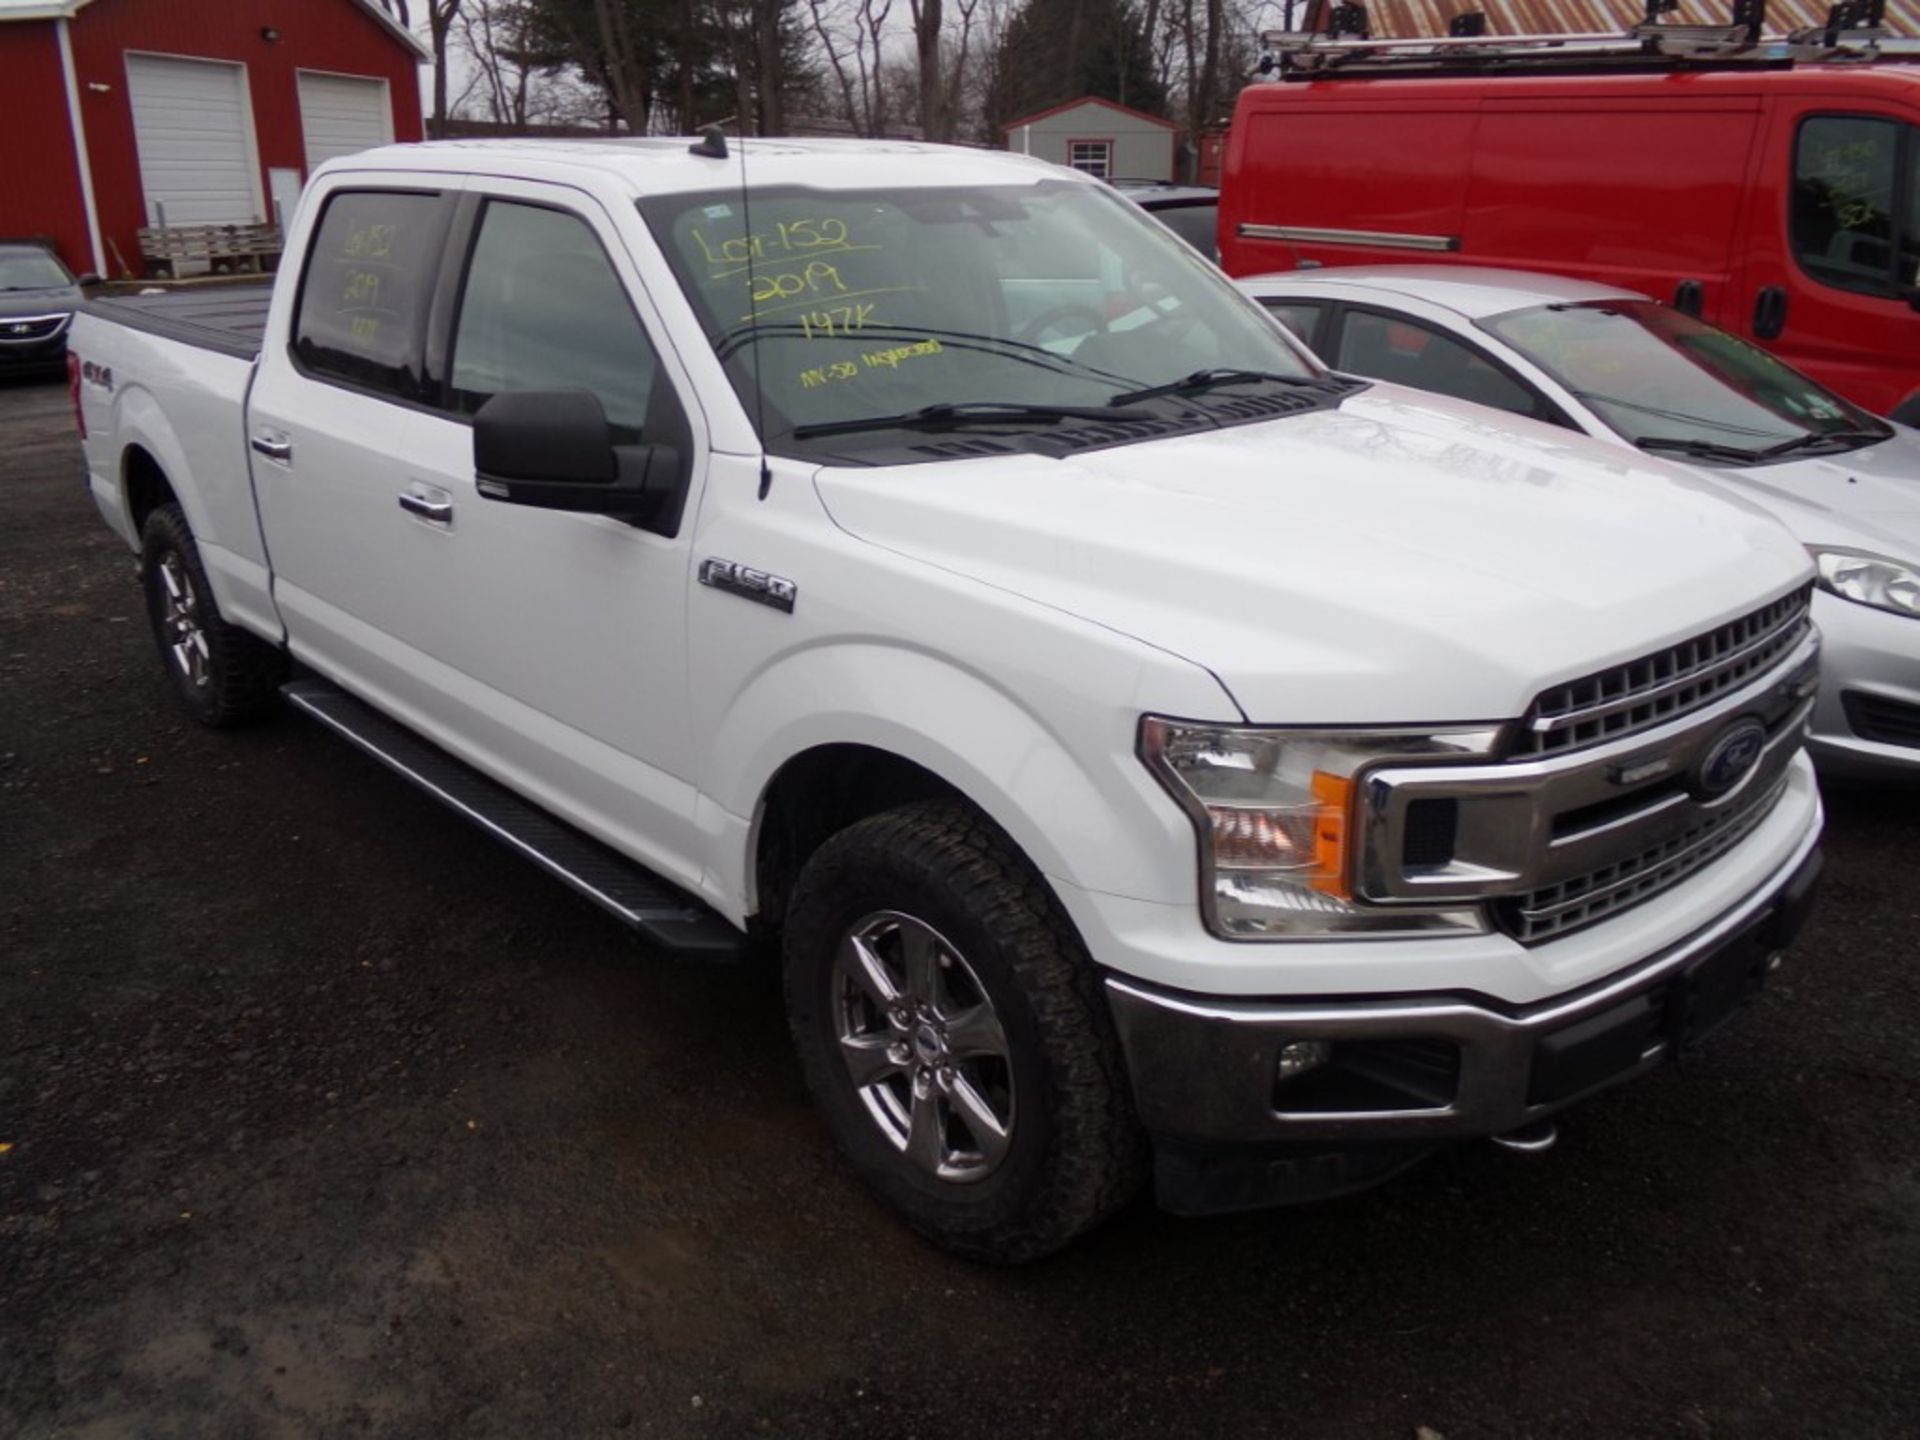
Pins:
x: 281, y: 450
x: 1769, y: 312
x: 1690, y: 298
x: 440, y: 512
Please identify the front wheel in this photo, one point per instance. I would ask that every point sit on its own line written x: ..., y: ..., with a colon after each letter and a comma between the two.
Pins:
x: 953, y: 1033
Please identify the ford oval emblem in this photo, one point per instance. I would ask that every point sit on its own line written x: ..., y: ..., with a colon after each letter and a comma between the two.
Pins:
x: 1734, y: 752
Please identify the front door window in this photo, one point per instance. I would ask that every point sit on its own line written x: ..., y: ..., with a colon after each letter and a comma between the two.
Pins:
x: 1856, y: 203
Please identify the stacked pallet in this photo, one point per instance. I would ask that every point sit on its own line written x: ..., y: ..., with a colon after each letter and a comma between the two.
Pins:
x: 172, y: 250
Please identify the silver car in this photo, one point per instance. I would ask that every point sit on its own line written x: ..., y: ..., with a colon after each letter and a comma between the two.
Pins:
x: 1628, y: 369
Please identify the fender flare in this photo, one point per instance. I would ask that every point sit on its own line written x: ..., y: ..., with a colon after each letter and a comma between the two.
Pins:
x: 139, y: 422
x: 973, y: 734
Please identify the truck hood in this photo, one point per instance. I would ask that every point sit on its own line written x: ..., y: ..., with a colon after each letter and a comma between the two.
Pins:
x: 1404, y: 558
x: 1866, y: 499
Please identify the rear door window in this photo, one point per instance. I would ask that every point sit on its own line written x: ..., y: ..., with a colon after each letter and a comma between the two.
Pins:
x: 1855, y: 217
x: 544, y: 309
x: 364, y: 297
x: 1392, y: 347
x: 1303, y: 318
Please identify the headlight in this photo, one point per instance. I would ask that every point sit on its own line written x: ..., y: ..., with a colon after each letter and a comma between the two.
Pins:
x: 1870, y: 580
x: 1275, y: 814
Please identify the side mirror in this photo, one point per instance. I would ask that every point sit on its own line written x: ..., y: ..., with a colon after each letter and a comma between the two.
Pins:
x: 552, y: 449
x: 88, y: 280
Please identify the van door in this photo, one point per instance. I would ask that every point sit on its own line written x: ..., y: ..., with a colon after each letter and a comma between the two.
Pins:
x: 1833, y: 260
x: 1637, y: 190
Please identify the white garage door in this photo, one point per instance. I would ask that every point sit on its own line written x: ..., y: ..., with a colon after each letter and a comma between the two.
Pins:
x: 342, y: 114
x: 195, y: 138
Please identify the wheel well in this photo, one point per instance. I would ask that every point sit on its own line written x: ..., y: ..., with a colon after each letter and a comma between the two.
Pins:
x: 146, y: 485
x: 815, y: 796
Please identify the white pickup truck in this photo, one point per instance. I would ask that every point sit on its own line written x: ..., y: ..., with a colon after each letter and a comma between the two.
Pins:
x: 1153, y: 751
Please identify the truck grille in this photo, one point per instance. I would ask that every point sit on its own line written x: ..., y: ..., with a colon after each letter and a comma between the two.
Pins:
x: 1555, y: 910
x: 25, y: 329
x: 1662, y: 686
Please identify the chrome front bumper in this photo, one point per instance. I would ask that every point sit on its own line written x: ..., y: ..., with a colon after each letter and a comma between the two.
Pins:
x: 1430, y: 1068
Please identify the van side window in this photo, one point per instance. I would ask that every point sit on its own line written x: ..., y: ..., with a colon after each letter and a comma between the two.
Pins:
x: 1392, y: 348
x: 544, y: 309
x: 368, y: 282
x: 1854, y: 203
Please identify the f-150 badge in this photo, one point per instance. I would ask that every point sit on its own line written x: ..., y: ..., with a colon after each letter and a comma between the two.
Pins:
x: 748, y: 583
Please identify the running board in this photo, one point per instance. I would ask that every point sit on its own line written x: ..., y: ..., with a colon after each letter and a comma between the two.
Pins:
x: 661, y: 912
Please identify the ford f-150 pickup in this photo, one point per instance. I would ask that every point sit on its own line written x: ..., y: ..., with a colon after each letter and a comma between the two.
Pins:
x: 1153, y: 753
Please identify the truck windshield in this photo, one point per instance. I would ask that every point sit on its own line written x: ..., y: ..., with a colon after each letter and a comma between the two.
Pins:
x: 864, y: 304
x: 1664, y: 380
x: 27, y: 267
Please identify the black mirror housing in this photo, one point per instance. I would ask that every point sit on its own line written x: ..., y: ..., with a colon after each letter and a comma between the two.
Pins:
x: 88, y: 280
x: 544, y: 435
x: 552, y: 449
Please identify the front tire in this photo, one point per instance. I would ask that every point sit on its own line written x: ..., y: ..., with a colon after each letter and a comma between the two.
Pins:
x: 222, y: 675
x: 953, y: 1032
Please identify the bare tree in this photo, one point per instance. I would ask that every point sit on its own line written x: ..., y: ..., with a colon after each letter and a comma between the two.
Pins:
x: 927, y: 16
x: 852, y: 34
x: 441, y: 15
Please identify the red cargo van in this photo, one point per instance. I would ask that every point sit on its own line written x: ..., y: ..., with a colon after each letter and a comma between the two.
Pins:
x: 1779, y: 200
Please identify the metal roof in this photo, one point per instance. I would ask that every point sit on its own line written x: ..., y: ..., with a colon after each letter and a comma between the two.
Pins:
x: 1406, y: 19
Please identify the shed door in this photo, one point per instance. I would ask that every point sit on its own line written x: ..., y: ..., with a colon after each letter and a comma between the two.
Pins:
x: 342, y: 114
x: 195, y: 137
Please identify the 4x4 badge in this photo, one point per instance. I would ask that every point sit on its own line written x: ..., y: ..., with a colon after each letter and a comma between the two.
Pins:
x: 748, y: 583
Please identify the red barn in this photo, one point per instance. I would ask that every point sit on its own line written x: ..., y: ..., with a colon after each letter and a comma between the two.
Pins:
x: 124, y: 113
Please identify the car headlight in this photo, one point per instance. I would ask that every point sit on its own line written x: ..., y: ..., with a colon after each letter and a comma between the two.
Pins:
x: 1275, y: 813
x: 1870, y: 580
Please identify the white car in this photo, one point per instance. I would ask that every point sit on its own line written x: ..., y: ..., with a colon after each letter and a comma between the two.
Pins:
x: 1625, y: 368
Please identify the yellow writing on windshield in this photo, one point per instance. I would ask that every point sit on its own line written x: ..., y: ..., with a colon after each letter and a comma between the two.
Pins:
x: 805, y: 237
x: 889, y: 359
x: 817, y: 278
x: 836, y: 319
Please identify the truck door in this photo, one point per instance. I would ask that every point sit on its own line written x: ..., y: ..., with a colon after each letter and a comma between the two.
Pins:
x: 1833, y: 258
x: 546, y: 647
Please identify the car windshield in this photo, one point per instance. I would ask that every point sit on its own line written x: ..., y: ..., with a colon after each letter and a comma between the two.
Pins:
x: 26, y: 267
x: 1661, y: 379
x: 871, y: 303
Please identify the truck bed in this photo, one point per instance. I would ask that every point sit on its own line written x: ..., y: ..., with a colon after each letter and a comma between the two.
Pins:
x: 227, y: 318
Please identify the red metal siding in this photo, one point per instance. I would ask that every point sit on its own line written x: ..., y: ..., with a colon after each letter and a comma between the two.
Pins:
x: 333, y: 35
x: 39, y: 177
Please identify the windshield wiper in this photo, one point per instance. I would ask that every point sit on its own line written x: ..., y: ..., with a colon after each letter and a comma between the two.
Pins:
x: 1700, y: 449
x: 1203, y: 380
x: 973, y: 412
x: 1852, y: 439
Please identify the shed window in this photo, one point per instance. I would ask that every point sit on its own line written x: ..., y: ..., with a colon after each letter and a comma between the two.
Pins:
x: 1093, y: 156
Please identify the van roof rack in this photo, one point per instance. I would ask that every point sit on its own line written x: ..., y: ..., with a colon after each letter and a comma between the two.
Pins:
x: 1855, y: 33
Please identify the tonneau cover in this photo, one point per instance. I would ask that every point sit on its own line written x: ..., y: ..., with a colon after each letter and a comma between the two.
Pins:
x: 227, y: 318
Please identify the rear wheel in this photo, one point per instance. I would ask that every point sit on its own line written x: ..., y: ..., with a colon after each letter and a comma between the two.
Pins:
x: 221, y: 674
x: 953, y: 1033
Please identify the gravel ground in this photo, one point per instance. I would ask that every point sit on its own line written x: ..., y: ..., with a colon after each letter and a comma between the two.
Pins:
x: 326, y: 1116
